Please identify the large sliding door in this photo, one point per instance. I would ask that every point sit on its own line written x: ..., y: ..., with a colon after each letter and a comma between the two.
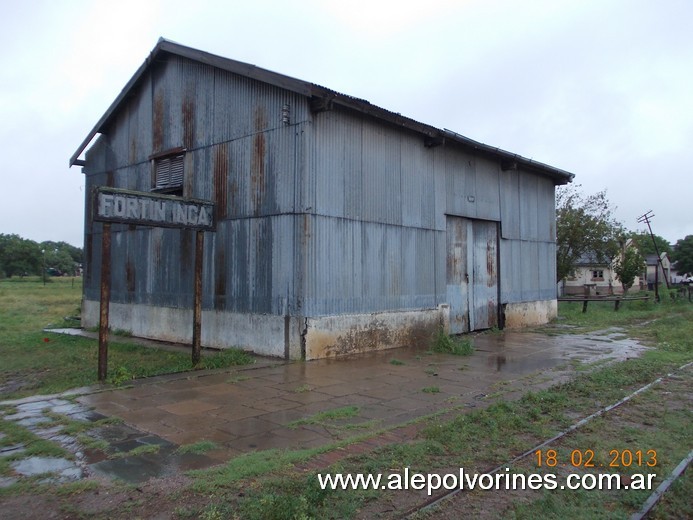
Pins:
x: 472, y: 274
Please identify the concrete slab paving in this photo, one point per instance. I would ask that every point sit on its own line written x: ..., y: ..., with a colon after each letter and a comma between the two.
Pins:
x: 246, y: 409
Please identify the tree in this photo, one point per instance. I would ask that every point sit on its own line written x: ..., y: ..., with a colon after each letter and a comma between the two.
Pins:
x: 683, y: 255
x: 75, y: 253
x: 584, y: 225
x: 61, y: 256
x: 643, y: 241
x: 627, y: 266
x: 19, y: 256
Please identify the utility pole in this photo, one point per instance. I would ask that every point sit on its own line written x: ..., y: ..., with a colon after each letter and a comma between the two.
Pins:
x: 646, y: 219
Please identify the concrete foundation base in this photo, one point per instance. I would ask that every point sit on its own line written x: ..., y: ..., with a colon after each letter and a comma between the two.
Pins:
x: 293, y: 337
x: 332, y: 336
x: 527, y: 314
x: 267, y: 335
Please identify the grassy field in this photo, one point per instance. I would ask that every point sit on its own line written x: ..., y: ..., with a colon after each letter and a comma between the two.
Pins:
x: 38, y: 362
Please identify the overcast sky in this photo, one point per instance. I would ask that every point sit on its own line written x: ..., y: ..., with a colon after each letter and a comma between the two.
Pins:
x: 603, y: 89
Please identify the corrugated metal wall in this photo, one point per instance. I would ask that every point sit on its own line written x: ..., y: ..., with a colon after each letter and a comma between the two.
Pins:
x: 322, y: 214
x: 241, y: 154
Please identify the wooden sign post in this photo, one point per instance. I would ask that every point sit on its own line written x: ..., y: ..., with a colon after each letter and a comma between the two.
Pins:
x: 148, y: 209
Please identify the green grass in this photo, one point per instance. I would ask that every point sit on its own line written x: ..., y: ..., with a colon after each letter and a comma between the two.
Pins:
x: 446, y: 344
x: 323, y: 418
x: 38, y: 362
x: 198, y: 448
x: 14, y: 434
x: 140, y: 450
x: 246, y: 466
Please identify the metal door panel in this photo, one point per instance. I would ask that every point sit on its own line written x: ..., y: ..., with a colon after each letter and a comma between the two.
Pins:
x: 484, y: 300
x: 457, y: 277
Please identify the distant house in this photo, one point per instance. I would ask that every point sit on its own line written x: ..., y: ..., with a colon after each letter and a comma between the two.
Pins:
x: 341, y: 227
x: 591, y: 277
x: 597, y: 278
x: 657, y: 272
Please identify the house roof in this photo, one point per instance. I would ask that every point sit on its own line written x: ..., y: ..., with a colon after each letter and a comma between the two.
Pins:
x: 653, y: 259
x: 590, y: 259
x: 321, y: 97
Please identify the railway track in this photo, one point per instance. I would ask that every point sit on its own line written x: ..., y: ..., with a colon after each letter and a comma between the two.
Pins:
x: 444, y: 499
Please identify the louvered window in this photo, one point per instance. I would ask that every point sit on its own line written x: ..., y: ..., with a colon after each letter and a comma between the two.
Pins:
x: 168, y: 174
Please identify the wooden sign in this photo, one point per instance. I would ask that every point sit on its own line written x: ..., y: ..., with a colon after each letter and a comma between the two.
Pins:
x: 151, y: 209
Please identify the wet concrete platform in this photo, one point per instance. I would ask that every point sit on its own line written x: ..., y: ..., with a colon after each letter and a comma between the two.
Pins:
x: 311, y: 404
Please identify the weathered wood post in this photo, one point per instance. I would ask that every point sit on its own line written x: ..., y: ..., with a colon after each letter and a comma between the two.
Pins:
x: 155, y: 210
x: 197, y: 298
x: 105, y: 300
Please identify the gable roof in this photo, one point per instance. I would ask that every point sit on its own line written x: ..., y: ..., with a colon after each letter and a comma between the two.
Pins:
x: 321, y: 98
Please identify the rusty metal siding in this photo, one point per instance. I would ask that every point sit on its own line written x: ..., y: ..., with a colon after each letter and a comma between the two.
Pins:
x: 360, y: 267
x: 335, y: 182
x: 249, y: 266
x: 472, y: 185
x: 369, y: 243
x: 527, y: 248
x: 460, y: 177
x: 546, y: 211
x: 129, y: 136
x: 487, y: 197
x: 510, y: 204
x: 528, y: 270
x: 318, y: 214
x: 364, y: 170
x: 417, y: 183
x: 529, y: 211
x: 381, y: 171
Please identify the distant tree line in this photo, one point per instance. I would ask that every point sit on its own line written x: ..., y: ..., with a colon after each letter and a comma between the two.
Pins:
x: 22, y: 257
x: 585, y: 226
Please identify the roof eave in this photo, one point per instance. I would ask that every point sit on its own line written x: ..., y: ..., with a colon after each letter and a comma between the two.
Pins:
x: 312, y: 91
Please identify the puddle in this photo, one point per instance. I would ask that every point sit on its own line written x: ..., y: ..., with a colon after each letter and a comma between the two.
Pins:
x: 140, y: 468
x: 120, y: 439
x: 64, y: 470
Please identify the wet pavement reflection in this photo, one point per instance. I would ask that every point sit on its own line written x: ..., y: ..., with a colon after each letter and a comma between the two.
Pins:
x: 292, y: 405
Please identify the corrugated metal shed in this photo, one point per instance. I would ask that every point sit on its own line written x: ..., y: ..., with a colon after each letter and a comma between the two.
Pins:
x: 335, y: 218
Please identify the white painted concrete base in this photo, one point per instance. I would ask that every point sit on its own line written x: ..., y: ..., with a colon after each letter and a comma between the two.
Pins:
x: 292, y: 337
x: 267, y: 335
x: 527, y: 314
x: 332, y: 336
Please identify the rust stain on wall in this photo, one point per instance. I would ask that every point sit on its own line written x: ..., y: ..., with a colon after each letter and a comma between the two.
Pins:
x: 220, y: 280
x: 491, y: 260
x: 186, y: 247
x: 257, y: 172
x: 157, y: 250
x: 188, y: 113
x: 158, y: 123
x: 130, y: 276
x: 257, y: 166
x: 492, y: 310
x: 233, y: 194
x: 221, y: 170
x: 376, y: 336
x: 133, y: 150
